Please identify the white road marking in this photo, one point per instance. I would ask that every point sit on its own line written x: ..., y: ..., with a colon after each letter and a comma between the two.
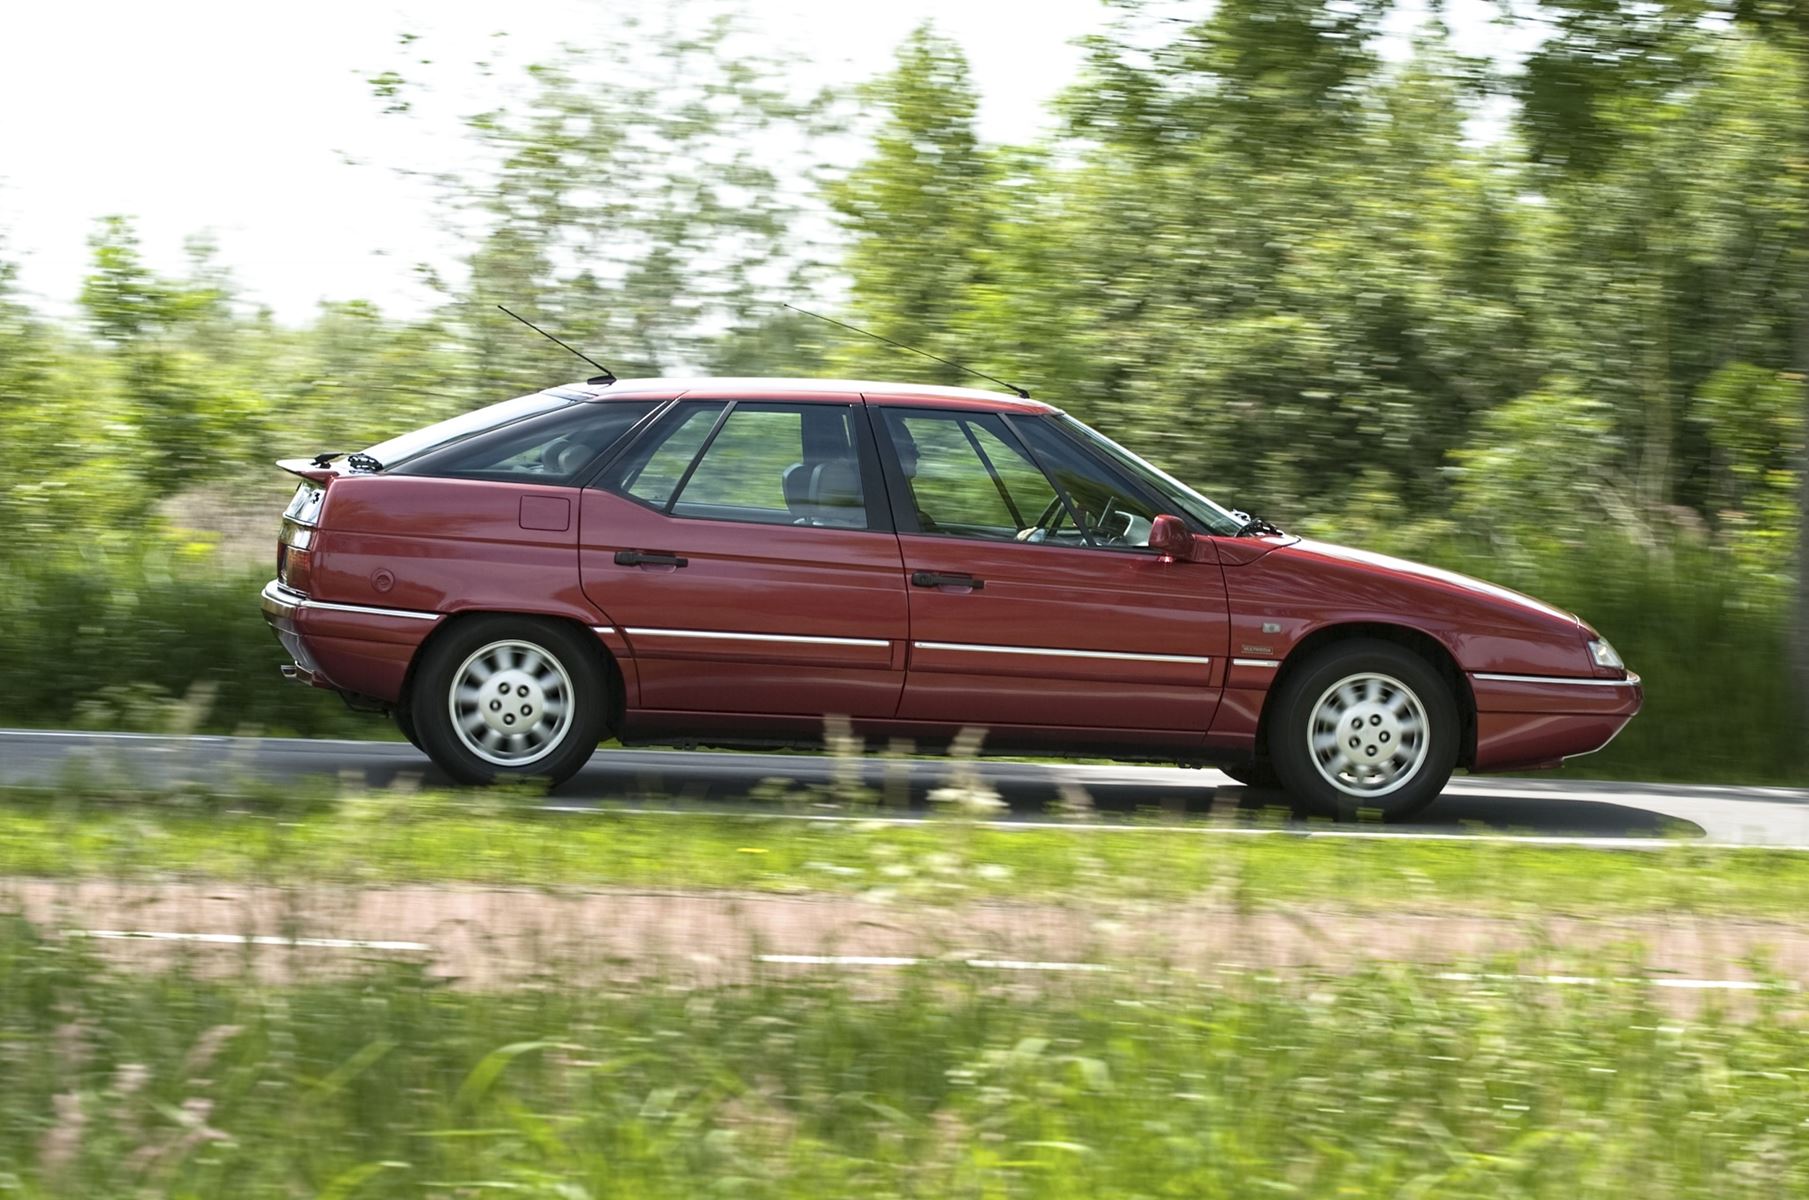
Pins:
x: 1661, y: 981
x: 899, y: 960
x: 906, y: 960
x: 239, y: 939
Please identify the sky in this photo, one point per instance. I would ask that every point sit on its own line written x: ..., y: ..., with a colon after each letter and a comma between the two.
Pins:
x: 252, y: 122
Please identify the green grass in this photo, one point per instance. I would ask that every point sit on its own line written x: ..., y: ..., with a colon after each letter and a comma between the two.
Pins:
x: 398, y: 837
x: 934, y: 1082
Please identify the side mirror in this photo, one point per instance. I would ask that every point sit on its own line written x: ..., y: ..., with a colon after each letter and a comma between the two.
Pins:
x: 1170, y: 536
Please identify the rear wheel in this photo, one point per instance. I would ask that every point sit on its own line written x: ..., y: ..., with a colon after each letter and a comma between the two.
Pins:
x: 1365, y: 727
x: 500, y: 697
x: 405, y: 721
x: 1257, y: 774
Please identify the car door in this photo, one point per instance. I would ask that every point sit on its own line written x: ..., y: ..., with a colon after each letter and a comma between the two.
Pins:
x: 742, y: 548
x: 1034, y: 598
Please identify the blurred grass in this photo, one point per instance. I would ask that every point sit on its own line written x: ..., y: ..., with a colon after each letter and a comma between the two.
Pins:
x: 397, y: 838
x: 171, y: 640
x: 1707, y: 633
x: 204, y: 1081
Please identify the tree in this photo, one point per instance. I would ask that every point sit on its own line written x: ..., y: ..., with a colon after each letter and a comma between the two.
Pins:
x: 1610, y: 60
x: 920, y: 215
x: 633, y: 207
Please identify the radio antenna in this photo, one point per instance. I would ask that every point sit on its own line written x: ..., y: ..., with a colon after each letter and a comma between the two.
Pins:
x: 605, y: 377
x: 1010, y: 387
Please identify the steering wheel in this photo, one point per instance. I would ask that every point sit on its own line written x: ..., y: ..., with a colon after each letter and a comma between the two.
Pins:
x: 1099, y: 526
x: 1045, y: 522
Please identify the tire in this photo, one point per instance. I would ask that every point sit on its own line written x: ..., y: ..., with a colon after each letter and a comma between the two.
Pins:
x: 405, y: 722
x: 1395, y: 762
x: 537, y: 674
x: 1256, y: 774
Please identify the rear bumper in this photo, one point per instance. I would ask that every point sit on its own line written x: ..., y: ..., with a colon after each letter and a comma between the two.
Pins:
x: 1525, y: 721
x: 346, y: 647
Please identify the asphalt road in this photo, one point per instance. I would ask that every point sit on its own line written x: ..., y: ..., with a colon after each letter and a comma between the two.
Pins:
x: 1553, y: 808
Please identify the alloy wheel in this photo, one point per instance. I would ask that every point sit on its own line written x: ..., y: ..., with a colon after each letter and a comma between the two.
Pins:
x: 1368, y: 734
x: 511, y: 703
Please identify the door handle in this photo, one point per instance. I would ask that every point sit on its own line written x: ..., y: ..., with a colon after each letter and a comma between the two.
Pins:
x: 635, y: 558
x: 938, y: 579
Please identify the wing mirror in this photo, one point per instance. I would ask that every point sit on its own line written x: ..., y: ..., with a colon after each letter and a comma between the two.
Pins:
x: 1170, y: 536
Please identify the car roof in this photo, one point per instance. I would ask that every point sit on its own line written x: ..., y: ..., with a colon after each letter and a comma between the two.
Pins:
x: 784, y: 388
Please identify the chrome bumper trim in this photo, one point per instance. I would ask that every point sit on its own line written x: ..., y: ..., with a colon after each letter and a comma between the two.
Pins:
x: 275, y: 591
x: 1631, y: 680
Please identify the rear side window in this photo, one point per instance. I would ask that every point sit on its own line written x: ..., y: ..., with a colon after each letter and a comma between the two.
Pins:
x: 553, y: 448
x: 762, y: 463
x: 407, y: 446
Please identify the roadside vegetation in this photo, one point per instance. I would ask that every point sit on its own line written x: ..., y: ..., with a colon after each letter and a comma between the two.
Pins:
x: 401, y: 837
x: 203, y: 1078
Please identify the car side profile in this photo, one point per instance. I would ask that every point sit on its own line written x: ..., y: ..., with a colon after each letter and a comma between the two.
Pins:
x: 730, y: 562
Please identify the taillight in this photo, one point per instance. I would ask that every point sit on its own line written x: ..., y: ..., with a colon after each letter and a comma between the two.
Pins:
x: 295, y: 568
x: 294, y: 562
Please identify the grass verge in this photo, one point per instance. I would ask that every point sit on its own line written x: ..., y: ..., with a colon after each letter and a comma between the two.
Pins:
x: 398, y: 837
x: 1386, y: 1081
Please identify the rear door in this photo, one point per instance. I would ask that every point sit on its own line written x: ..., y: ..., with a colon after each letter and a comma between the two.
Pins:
x: 1034, y: 597
x: 742, y: 548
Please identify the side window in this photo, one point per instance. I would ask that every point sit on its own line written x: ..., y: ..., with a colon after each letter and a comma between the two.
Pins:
x: 656, y: 465
x: 548, y: 449
x: 967, y: 478
x: 1112, y: 512
x: 767, y: 464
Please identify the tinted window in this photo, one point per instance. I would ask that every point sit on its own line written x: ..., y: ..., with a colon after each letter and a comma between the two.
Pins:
x: 1111, y: 510
x: 552, y: 449
x: 968, y: 478
x: 405, y: 446
x: 1185, y: 500
x: 771, y: 464
x: 657, y: 463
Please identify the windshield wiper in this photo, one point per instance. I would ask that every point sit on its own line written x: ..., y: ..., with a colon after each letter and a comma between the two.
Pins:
x: 363, y: 462
x: 1255, y: 526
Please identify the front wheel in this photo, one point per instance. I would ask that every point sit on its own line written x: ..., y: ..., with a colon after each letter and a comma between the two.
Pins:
x: 1365, y: 727
x: 500, y: 696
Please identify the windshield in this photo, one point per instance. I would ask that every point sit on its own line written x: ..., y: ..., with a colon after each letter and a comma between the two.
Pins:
x: 1188, y: 501
x: 405, y: 446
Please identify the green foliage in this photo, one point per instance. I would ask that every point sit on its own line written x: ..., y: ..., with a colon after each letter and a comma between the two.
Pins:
x: 160, y: 637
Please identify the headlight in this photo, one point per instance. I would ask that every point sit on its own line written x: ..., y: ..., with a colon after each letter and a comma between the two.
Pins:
x: 1603, y: 655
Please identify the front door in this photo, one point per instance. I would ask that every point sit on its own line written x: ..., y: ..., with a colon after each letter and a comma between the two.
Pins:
x: 741, y: 549
x: 1034, y: 598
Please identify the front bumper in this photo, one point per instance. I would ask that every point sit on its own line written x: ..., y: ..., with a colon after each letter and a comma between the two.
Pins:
x: 346, y: 647
x: 1523, y: 722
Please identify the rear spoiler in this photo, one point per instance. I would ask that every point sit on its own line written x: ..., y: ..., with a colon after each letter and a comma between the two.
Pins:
x: 308, y: 468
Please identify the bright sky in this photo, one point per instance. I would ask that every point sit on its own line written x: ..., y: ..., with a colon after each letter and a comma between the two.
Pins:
x: 251, y: 120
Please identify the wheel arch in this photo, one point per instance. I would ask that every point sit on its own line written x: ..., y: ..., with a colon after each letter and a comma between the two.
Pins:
x: 1417, y: 641
x: 612, y: 671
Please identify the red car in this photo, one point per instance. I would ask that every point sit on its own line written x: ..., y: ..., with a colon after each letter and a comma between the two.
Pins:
x: 731, y: 561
